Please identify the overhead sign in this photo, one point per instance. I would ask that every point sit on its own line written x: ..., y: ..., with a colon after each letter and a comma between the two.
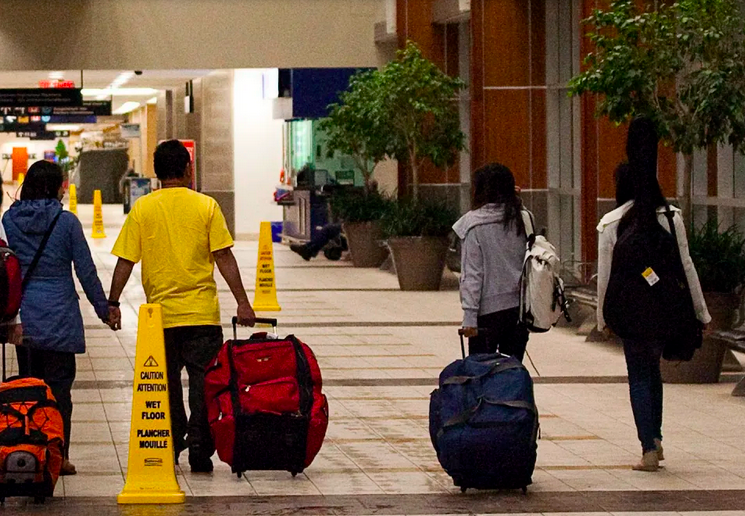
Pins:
x: 56, y: 83
x: 43, y: 135
x: 42, y: 97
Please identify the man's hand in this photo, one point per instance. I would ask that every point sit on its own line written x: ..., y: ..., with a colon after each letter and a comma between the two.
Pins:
x: 246, y: 315
x: 115, y: 318
x: 470, y: 332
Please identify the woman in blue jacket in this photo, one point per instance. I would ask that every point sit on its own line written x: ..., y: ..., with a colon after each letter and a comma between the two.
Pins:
x: 52, y: 324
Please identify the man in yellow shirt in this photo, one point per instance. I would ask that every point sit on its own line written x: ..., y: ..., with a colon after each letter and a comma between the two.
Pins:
x: 179, y: 235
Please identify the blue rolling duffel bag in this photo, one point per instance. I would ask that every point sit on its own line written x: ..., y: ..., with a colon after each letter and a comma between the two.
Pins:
x: 483, y: 422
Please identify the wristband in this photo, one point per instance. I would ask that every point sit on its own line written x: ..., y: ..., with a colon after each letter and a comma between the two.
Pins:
x: 115, y: 304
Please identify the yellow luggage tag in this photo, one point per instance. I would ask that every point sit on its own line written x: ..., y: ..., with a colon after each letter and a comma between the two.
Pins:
x: 650, y: 276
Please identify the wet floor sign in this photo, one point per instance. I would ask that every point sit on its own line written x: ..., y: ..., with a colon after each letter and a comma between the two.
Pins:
x: 265, y: 299
x: 151, y: 477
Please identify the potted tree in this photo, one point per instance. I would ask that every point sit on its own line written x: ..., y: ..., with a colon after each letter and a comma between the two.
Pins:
x: 420, y: 112
x: 719, y: 257
x: 355, y: 127
x: 417, y: 235
x: 680, y: 63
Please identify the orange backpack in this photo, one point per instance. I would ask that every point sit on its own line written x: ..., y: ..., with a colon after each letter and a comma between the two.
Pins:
x: 31, y: 439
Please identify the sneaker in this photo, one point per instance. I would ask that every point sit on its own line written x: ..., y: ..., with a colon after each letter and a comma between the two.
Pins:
x: 302, y: 250
x: 201, y: 465
x: 68, y: 468
x: 650, y: 462
x: 660, y: 451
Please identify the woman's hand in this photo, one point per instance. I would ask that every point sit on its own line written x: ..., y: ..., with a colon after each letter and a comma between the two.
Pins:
x: 469, y: 332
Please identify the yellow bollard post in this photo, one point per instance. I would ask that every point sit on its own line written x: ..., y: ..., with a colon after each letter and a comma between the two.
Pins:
x: 73, y: 199
x: 151, y: 475
x: 21, y: 178
x: 265, y: 299
x: 98, y: 231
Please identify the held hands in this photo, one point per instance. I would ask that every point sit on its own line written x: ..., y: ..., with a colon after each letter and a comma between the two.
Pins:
x: 115, y: 318
x: 469, y: 332
x: 246, y: 315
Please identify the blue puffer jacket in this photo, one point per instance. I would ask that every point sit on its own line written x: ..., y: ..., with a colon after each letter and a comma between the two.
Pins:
x: 50, y: 309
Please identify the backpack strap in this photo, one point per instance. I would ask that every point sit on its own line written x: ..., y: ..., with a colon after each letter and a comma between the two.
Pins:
x: 528, y: 222
x: 39, y: 252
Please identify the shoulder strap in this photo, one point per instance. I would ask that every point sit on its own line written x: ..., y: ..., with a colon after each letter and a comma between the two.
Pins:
x: 670, y: 216
x: 39, y: 252
x: 528, y: 222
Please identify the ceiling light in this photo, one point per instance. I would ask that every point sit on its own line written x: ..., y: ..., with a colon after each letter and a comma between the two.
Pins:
x: 126, y: 92
x: 63, y: 127
x: 126, y: 108
x: 153, y: 100
x: 56, y: 75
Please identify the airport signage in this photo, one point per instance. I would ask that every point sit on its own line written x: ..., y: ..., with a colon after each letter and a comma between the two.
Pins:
x: 40, y: 97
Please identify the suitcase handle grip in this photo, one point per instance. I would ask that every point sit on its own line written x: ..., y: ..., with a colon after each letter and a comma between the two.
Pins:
x: 481, y: 331
x: 259, y: 320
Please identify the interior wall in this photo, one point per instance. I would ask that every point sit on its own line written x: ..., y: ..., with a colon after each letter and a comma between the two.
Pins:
x: 257, y: 152
x: 188, y: 34
x: 9, y: 140
x: 141, y: 149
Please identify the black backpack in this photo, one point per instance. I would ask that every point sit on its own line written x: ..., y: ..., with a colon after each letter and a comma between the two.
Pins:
x: 648, y: 298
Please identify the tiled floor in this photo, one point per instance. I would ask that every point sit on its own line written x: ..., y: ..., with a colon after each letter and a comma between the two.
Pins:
x: 381, y: 351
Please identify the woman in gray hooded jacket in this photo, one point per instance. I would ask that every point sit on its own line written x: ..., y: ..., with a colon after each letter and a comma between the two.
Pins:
x: 493, y: 241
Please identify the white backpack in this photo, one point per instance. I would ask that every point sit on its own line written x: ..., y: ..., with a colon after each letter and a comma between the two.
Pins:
x: 542, y: 300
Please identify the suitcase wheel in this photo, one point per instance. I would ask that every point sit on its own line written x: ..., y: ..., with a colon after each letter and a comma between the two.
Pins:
x: 239, y: 474
x: 525, y: 490
x: 294, y: 473
x: 463, y: 489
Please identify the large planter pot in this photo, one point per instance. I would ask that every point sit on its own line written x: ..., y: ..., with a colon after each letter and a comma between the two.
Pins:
x: 419, y: 261
x: 364, y: 243
x: 706, y: 365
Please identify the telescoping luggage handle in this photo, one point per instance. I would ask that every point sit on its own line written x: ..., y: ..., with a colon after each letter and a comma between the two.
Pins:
x: 481, y: 331
x: 259, y: 320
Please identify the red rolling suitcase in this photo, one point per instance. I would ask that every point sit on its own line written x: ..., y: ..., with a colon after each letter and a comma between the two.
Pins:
x: 264, y: 403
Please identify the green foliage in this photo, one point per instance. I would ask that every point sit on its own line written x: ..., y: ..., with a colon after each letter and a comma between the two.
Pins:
x: 356, y: 206
x: 412, y: 217
x: 681, y: 64
x: 61, y: 151
x: 421, y: 111
x: 719, y: 257
x: 406, y: 111
x: 355, y: 126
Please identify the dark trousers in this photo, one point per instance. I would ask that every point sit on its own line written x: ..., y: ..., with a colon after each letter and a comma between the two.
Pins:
x: 323, y: 237
x: 57, y: 369
x: 504, y: 334
x: 191, y: 347
x: 645, y: 389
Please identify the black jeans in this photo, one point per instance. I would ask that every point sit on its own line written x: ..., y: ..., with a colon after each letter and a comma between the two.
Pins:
x: 645, y: 390
x: 57, y: 369
x: 505, y: 334
x: 191, y: 347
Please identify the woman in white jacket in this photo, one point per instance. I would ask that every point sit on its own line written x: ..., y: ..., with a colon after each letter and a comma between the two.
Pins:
x: 640, y: 201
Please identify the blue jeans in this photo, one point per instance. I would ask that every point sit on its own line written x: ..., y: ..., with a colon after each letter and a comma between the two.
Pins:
x: 645, y: 389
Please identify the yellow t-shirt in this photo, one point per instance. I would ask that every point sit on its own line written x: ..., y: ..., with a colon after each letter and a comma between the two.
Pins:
x: 174, y: 231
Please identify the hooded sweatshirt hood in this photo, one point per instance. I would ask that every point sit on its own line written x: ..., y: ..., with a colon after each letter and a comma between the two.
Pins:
x: 487, y: 214
x: 33, y: 217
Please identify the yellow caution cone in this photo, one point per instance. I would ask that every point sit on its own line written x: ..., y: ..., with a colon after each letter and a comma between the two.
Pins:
x: 21, y: 178
x: 151, y: 476
x: 73, y: 199
x: 265, y: 299
x: 98, y: 231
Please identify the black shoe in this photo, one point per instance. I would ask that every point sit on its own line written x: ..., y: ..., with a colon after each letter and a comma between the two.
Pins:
x: 303, y: 251
x: 201, y: 465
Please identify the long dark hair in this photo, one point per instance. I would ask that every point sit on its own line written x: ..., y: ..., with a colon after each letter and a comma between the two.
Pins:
x: 495, y: 184
x: 43, y: 181
x: 641, y: 148
x: 624, y: 184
